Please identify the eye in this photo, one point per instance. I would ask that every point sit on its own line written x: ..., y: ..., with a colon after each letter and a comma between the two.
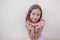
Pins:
x: 38, y: 14
x: 33, y: 14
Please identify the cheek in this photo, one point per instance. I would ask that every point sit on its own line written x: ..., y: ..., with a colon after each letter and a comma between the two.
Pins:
x: 31, y: 17
x: 38, y: 17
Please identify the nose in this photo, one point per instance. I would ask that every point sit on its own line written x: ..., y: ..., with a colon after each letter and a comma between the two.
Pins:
x: 35, y: 16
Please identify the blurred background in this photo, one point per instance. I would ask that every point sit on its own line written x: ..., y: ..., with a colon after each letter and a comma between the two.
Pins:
x: 12, y: 18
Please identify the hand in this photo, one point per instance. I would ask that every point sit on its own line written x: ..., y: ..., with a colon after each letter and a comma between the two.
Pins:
x: 31, y: 35
x: 30, y: 31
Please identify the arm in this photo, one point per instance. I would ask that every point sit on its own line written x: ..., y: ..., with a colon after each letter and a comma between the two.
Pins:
x: 39, y: 29
x: 42, y: 24
x: 30, y: 30
x: 31, y: 34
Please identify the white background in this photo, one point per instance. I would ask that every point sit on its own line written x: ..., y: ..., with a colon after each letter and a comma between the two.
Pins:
x: 12, y: 17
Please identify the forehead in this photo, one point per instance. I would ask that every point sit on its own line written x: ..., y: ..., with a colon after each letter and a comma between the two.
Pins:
x: 36, y: 11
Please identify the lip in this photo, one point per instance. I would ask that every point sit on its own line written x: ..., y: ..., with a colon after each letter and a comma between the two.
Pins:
x: 35, y: 19
x: 35, y: 32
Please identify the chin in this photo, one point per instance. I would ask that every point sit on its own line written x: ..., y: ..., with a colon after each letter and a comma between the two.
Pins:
x: 34, y: 21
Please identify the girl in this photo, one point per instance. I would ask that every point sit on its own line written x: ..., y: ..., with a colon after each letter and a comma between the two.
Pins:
x: 34, y: 23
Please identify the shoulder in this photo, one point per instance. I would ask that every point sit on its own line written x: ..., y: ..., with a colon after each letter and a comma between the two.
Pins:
x: 42, y: 22
x: 26, y: 25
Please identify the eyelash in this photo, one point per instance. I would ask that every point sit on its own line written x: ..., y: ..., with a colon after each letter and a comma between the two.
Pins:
x: 34, y: 14
x: 37, y: 14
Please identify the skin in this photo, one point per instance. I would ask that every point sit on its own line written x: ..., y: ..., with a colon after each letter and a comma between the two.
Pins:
x: 35, y: 33
x: 35, y: 15
x: 30, y: 31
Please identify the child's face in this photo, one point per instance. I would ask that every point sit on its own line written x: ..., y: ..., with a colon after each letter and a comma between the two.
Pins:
x: 35, y: 15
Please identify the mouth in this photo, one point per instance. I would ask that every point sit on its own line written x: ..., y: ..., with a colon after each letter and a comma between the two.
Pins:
x: 35, y: 32
x: 35, y: 19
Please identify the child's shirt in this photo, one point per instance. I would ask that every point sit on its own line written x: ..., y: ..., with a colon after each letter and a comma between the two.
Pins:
x: 42, y: 23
